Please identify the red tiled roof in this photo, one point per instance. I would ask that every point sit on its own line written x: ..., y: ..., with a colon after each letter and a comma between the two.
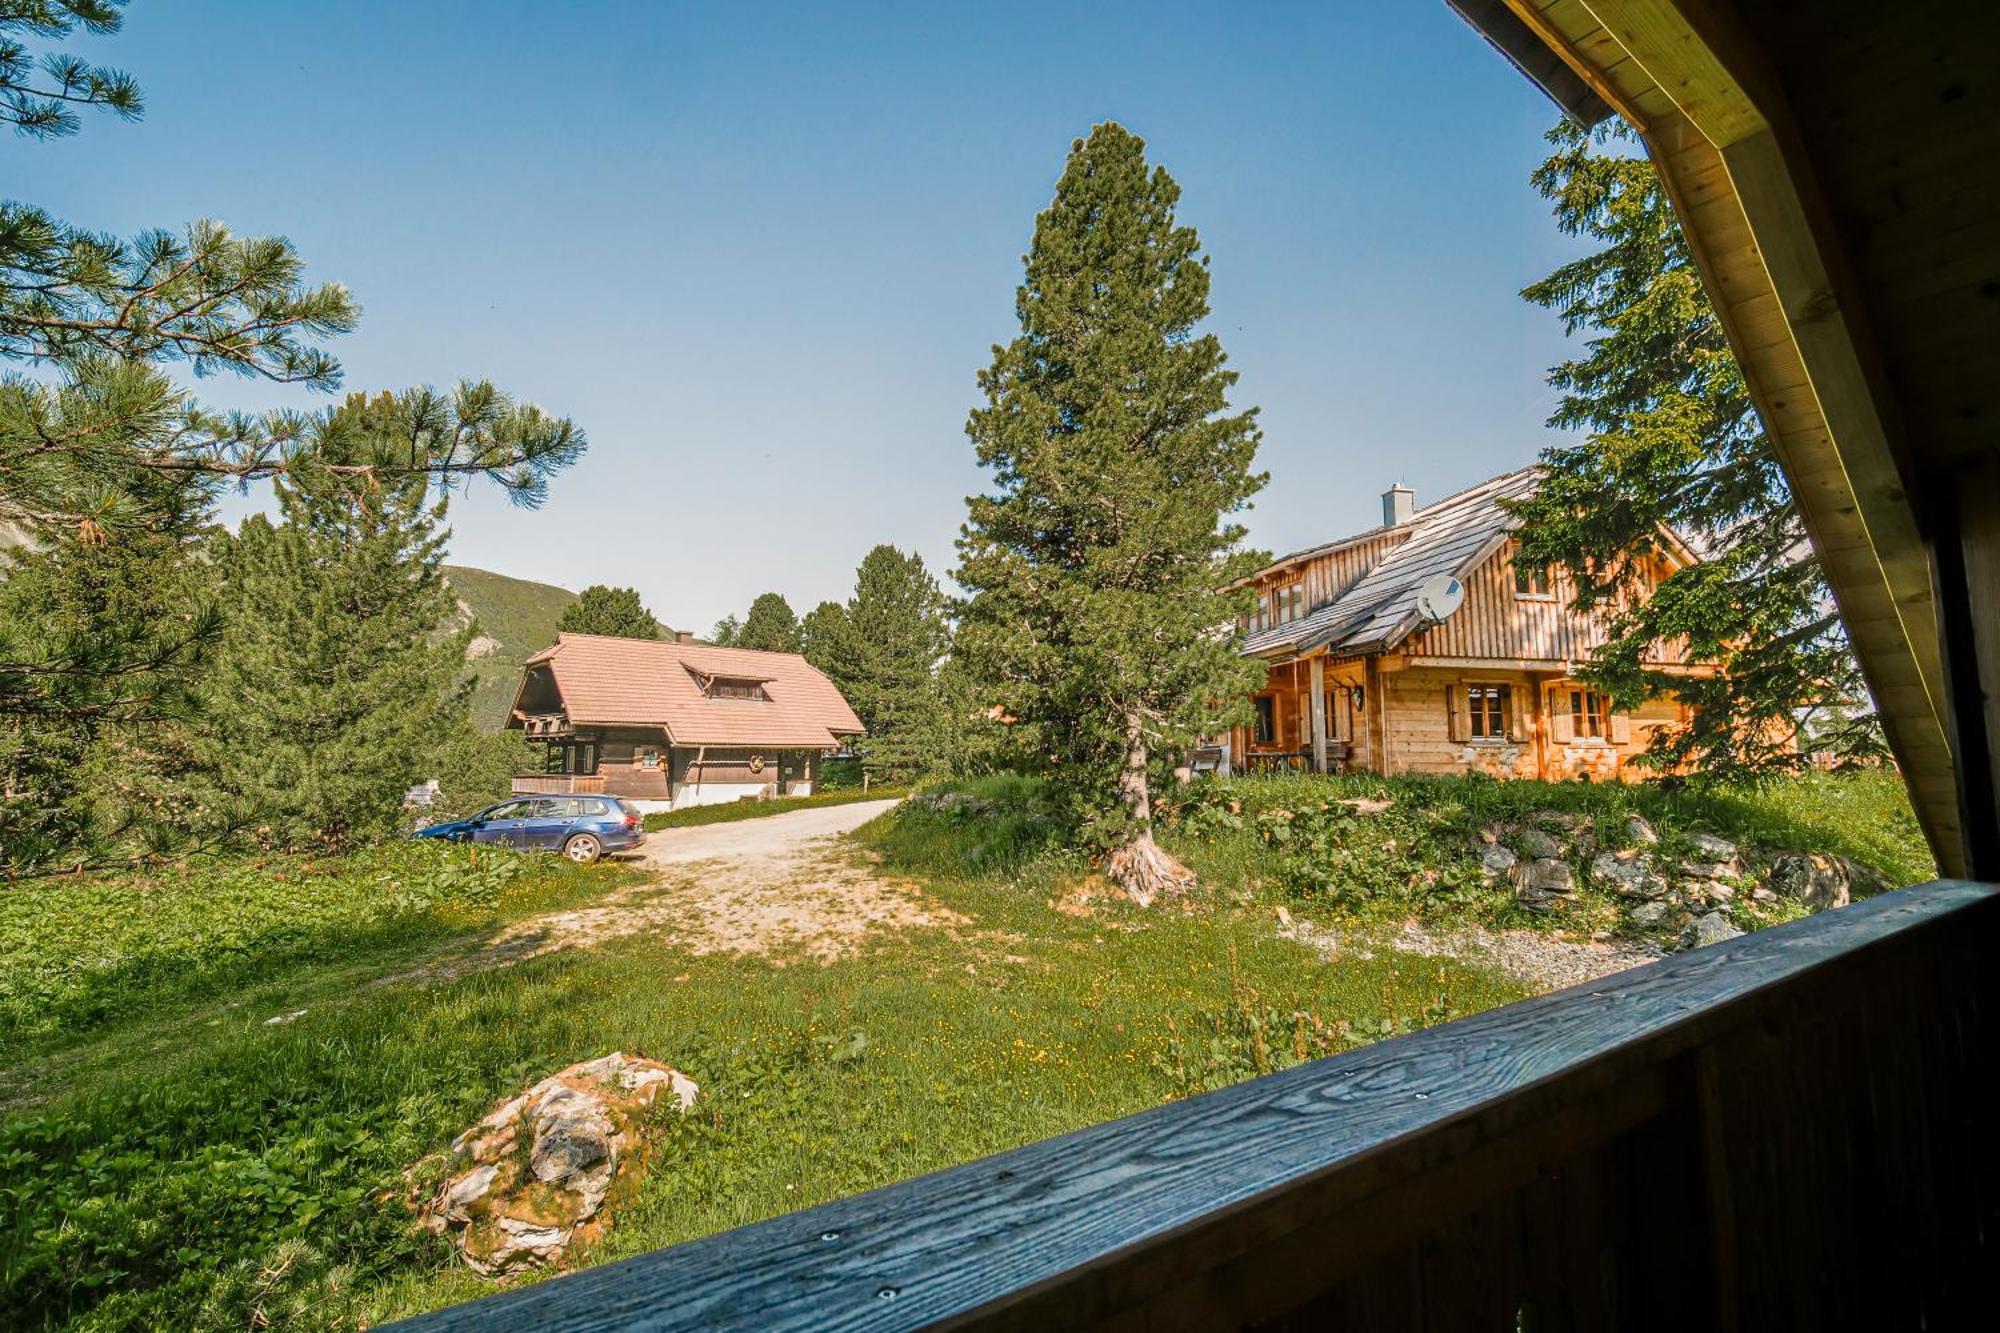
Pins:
x: 644, y: 682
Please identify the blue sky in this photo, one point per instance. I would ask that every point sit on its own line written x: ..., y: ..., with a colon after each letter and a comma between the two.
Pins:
x: 759, y: 252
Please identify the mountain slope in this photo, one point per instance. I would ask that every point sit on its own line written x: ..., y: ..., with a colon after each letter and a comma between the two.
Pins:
x: 517, y: 618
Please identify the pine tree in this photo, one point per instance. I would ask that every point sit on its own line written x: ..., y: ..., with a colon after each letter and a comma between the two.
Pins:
x: 103, y: 458
x: 336, y: 686
x: 1674, y: 440
x: 826, y: 642
x: 770, y: 625
x: 1094, y: 566
x: 614, y: 611
x: 726, y: 632
x: 896, y: 636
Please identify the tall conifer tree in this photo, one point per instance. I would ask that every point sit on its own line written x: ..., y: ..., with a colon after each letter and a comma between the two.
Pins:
x: 1673, y: 439
x: 896, y: 636
x: 771, y: 625
x: 617, y: 612
x: 336, y: 686
x: 1094, y: 565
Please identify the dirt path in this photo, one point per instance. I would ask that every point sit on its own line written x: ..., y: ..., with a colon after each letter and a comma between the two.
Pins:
x: 780, y: 887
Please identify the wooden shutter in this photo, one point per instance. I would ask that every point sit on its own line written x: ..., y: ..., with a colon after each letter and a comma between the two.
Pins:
x: 1621, y: 728
x: 1511, y: 721
x: 1458, y: 717
x: 1562, y: 727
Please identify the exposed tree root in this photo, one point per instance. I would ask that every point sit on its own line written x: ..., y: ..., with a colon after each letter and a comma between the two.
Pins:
x: 1145, y: 871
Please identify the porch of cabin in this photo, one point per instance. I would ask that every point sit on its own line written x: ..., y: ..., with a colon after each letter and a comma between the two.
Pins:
x: 640, y: 765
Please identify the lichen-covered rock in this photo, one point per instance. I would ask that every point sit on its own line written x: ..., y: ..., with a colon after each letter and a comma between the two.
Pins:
x: 1713, y: 928
x: 1813, y: 879
x: 1497, y: 860
x: 1537, y: 845
x: 1628, y: 873
x: 534, y: 1175
x: 1541, y: 883
x: 1650, y: 914
x: 1639, y: 832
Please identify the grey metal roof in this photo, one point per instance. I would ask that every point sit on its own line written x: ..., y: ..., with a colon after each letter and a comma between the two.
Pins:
x: 1380, y: 609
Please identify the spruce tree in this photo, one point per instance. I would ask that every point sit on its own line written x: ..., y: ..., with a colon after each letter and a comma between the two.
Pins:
x: 726, y: 632
x: 336, y: 686
x: 617, y: 612
x: 1672, y: 439
x: 826, y: 642
x: 1095, y: 564
x: 896, y: 636
x: 771, y: 625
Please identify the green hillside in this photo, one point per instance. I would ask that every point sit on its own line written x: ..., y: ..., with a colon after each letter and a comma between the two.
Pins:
x: 516, y: 619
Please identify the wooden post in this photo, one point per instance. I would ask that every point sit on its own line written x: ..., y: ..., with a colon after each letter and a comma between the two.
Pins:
x: 1318, y: 707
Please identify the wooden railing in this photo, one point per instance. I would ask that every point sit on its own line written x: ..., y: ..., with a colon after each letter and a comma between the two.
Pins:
x: 1783, y: 1131
x: 558, y: 784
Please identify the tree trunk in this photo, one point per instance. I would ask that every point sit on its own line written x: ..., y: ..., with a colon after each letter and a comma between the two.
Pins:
x: 1139, y: 865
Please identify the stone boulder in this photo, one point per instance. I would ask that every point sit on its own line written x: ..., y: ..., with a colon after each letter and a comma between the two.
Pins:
x: 1713, y: 928
x: 1651, y: 914
x: 1639, y: 832
x: 1542, y: 883
x: 1537, y: 845
x: 1811, y: 878
x: 1629, y: 873
x: 533, y: 1175
x: 1497, y: 861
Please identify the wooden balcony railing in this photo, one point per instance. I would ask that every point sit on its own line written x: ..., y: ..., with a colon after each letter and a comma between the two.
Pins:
x: 1783, y: 1131
x: 558, y: 784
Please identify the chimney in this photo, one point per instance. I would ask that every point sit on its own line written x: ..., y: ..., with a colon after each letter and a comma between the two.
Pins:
x: 684, y: 636
x: 1399, y: 504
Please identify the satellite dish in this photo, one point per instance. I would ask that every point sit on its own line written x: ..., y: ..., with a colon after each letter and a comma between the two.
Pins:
x: 1438, y: 596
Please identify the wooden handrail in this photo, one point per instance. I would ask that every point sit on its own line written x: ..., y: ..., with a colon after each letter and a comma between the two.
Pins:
x: 1778, y: 1131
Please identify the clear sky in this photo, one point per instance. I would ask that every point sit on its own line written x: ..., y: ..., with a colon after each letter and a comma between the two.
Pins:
x: 759, y: 251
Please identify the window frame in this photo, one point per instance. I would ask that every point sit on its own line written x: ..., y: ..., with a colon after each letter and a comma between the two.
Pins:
x: 1264, y: 727
x: 1530, y: 586
x: 1586, y: 723
x: 1489, y: 703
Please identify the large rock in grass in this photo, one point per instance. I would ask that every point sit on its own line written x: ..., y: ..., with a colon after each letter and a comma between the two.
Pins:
x: 534, y: 1175
x: 1713, y: 928
x: 1816, y: 880
x: 1542, y: 884
x: 1629, y: 873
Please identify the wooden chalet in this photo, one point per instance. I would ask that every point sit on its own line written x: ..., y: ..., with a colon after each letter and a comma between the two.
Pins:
x: 1362, y: 679
x: 1782, y: 1131
x: 672, y: 723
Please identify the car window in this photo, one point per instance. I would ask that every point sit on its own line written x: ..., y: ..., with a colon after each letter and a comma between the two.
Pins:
x: 559, y: 807
x: 593, y: 808
x: 508, y: 810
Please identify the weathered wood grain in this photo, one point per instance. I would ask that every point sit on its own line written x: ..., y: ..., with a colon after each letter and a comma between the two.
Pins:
x: 1424, y: 1182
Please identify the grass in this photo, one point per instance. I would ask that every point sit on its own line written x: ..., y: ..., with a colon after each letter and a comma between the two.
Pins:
x: 172, y: 1158
x: 752, y: 808
x: 206, y: 1169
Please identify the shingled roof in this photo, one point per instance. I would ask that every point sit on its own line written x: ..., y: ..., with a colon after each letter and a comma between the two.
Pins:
x: 607, y: 681
x: 1379, y: 609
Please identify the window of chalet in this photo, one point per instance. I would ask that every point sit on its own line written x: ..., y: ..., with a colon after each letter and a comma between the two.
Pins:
x: 1589, y: 714
x: 1288, y: 603
x: 1532, y: 582
x: 1265, y: 731
x: 1479, y: 711
x: 1490, y: 708
x: 731, y: 687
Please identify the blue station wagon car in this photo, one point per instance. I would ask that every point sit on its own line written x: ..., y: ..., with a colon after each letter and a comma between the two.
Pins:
x: 582, y: 828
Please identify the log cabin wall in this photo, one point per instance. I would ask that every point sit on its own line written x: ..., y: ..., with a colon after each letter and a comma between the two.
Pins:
x: 622, y: 760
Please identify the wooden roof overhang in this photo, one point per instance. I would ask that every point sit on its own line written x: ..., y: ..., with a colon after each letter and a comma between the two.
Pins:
x: 1831, y: 166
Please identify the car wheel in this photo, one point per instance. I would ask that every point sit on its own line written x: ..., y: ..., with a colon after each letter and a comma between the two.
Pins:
x: 582, y: 849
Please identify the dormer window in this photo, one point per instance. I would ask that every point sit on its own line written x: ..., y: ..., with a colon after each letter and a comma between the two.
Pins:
x: 729, y: 687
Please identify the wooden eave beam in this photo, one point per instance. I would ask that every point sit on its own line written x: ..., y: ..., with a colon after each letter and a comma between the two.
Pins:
x: 1693, y: 83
